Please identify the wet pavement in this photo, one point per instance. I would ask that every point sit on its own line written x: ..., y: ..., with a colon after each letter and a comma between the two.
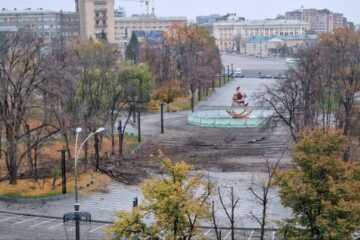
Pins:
x: 103, y: 205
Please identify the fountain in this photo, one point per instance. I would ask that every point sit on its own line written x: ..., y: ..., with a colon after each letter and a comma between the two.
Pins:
x: 221, y: 118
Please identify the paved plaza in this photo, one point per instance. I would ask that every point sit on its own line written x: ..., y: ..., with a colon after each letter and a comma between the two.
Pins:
x: 103, y: 205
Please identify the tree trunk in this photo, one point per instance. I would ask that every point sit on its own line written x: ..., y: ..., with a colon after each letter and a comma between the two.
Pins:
x: 262, y: 233
x: 347, y: 133
x: 35, y: 163
x: 192, y: 100
x: 121, y: 144
x: 29, y: 154
x: 11, y: 143
x: 86, y: 153
x: 112, y: 137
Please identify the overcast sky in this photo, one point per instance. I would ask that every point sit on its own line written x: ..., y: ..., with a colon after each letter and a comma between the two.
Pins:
x: 250, y: 9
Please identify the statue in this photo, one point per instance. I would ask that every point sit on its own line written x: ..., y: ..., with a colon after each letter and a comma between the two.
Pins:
x: 238, y: 100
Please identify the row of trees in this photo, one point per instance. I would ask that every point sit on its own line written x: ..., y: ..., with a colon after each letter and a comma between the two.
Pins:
x: 86, y: 85
x: 187, y: 57
x: 321, y: 189
x: 320, y: 90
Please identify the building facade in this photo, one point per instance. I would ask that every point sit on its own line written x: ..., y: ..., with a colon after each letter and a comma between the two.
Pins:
x: 202, y: 21
x: 294, y: 15
x: 229, y: 33
x: 274, y: 46
x: 45, y: 24
x: 97, y: 19
x: 320, y: 20
x: 147, y: 23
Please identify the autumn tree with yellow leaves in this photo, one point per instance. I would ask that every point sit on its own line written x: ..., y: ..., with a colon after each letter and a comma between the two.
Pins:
x: 175, y: 203
x: 321, y: 189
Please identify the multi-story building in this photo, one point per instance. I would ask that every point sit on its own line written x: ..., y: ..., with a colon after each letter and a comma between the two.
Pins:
x: 120, y: 12
x: 69, y: 27
x: 228, y: 33
x: 146, y: 24
x: 294, y: 15
x: 265, y: 45
x: 97, y: 19
x: 310, y: 16
x: 320, y: 20
x: 337, y: 20
x: 45, y: 24
x: 357, y: 27
x: 207, y: 20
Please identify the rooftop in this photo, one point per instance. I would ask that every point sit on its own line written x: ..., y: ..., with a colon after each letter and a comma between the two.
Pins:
x: 278, y: 38
x: 149, y: 18
x: 29, y: 11
x: 263, y: 22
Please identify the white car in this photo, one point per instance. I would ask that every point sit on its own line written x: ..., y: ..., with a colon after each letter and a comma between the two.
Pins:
x: 290, y: 60
x: 238, y: 73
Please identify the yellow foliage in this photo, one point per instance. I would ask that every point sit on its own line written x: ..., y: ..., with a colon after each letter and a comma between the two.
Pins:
x: 177, y: 201
x: 43, y: 187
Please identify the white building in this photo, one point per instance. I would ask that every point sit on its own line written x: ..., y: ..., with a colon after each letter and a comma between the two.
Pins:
x: 274, y: 46
x: 229, y: 33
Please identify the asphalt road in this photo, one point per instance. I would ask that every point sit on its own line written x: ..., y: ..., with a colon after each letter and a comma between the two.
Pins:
x: 251, y: 66
x: 39, y: 228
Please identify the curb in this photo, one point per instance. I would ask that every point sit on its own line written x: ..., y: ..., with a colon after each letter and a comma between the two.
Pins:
x: 33, y: 200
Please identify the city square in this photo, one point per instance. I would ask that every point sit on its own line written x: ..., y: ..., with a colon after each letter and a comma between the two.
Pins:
x: 156, y: 127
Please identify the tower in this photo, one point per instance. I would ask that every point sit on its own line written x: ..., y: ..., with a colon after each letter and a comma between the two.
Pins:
x: 77, y: 6
x: 97, y: 19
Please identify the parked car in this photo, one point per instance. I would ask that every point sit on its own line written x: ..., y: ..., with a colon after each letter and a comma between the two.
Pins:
x: 261, y: 75
x: 290, y: 60
x: 238, y: 73
x: 277, y: 76
x: 268, y: 76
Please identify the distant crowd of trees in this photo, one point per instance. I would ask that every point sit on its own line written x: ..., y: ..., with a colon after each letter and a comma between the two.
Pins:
x: 187, y: 58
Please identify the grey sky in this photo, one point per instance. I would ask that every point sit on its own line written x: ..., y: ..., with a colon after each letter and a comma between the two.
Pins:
x: 250, y: 9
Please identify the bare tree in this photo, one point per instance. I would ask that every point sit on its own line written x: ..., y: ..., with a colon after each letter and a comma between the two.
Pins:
x: 230, y: 213
x: 260, y: 188
x: 24, y: 69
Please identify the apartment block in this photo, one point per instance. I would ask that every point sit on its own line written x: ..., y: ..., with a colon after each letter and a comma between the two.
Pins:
x: 320, y: 20
x: 45, y: 24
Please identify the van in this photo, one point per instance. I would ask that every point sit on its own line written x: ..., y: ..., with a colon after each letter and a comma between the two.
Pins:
x: 238, y: 73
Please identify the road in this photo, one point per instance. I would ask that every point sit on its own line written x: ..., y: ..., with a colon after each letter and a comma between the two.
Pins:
x: 251, y: 66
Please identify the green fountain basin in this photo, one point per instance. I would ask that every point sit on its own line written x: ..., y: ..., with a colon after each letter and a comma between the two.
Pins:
x: 220, y: 118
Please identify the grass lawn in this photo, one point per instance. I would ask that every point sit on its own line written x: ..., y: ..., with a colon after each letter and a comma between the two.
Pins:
x: 44, y: 187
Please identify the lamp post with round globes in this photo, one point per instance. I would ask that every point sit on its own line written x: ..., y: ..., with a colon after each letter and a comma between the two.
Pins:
x: 78, y: 216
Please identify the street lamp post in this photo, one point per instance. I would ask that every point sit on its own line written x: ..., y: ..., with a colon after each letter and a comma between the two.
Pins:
x: 78, y: 216
x: 139, y: 127
x: 228, y: 72
x: 63, y: 170
x: 162, y: 117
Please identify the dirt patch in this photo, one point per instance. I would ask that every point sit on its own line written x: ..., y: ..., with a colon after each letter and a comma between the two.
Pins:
x: 209, y: 149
